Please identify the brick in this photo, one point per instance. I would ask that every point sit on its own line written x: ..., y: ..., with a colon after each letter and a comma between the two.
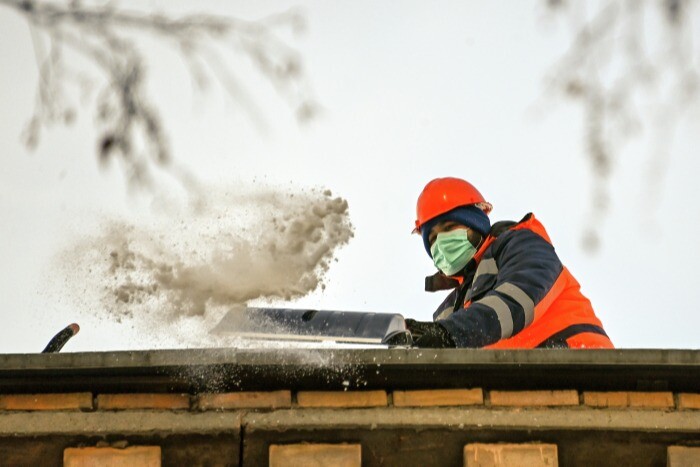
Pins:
x: 309, y: 455
x: 634, y: 399
x: 606, y: 399
x: 143, y: 401
x: 341, y: 398
x: 534, y: 398
x: 651, y: 400
x: 438, y: 397
x: 244, y: 400
x: 510, y: 455
x: 688, y: 401
x: 134, y: 456
x: 67, y: 401
x: 681, y: 456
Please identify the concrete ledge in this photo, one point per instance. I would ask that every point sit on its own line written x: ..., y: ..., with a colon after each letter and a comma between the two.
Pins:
x: 479, y: 419
x: 136, y: 422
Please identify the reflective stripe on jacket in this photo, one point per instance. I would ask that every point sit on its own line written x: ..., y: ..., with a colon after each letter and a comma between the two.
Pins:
x: 517, y: 294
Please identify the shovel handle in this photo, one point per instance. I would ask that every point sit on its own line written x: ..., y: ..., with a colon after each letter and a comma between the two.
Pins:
x: 60, y: 339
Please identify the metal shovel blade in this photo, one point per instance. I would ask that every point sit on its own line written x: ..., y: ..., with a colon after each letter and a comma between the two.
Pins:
x: 313, y: 325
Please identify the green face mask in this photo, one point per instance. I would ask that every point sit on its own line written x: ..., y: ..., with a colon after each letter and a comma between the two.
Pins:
x: 452, y: 251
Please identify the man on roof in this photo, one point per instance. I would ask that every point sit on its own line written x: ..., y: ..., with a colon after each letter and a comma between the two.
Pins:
x: 510, y: 290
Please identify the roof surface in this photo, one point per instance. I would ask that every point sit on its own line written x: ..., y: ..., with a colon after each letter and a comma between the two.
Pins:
x: 195, y: 370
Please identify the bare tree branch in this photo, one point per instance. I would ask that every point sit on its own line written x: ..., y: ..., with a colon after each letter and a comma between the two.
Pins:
x: 631, y: 65
x: 131, y: 127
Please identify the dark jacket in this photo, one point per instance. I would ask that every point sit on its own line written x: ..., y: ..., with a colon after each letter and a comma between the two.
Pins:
x: 515, y: 293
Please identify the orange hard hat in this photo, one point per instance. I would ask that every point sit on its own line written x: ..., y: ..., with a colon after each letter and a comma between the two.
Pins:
x: 444, y: 194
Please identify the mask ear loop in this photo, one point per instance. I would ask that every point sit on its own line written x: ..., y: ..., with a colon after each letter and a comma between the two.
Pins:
x: 481, y: 242
x: 481, y: 239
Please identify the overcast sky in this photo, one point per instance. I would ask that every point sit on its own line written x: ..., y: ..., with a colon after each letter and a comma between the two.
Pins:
x: 410, y: 91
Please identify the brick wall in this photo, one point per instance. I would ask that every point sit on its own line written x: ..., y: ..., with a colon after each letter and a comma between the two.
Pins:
x: 285, y: 399
x: 433, y: 408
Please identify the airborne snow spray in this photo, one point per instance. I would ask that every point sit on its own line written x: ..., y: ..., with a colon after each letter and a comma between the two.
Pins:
x: 171, y: 276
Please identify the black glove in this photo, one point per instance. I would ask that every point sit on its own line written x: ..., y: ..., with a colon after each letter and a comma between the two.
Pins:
x: 429, y: 335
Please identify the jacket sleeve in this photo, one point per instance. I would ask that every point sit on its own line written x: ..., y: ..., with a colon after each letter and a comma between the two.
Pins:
x: 526, y: 269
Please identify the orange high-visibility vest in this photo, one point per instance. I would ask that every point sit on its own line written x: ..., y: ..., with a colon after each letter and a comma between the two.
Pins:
x: 564, y: 307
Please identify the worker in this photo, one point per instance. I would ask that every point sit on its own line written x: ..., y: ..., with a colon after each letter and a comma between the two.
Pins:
x: 509, y: 288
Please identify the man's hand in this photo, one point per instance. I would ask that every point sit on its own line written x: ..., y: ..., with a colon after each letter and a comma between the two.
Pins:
x: 429, y: 335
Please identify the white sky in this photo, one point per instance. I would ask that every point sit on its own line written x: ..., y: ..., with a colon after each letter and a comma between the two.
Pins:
x: 410, y: 91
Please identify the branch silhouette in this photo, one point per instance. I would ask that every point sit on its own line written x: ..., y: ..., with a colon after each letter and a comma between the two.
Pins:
x: 130, y: 126
x: 631, y: 66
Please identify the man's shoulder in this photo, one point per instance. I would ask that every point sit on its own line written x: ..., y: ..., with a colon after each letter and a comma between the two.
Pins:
x: 500, y: 227
x: 514, y: 235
